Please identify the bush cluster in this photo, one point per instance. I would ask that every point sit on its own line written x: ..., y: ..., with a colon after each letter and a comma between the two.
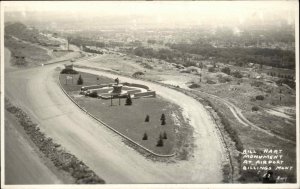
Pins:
x: 224, y: 79
x: 68, y: 71
x: 211, y: 69
x: 254, y: 108
x: 259, y: 97
x: 237, y: 74
x: 93, y: 94
x: 194, y: 85
x: 226, y: 70
x: 209, y: 81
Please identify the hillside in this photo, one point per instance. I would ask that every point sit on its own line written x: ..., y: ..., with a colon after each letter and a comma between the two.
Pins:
x: 25, y: 33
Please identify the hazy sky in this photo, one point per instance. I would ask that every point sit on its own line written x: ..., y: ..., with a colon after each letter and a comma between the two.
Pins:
x: 162, y: 13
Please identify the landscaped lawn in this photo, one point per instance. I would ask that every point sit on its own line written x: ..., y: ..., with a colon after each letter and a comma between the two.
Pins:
x: 129, y: 120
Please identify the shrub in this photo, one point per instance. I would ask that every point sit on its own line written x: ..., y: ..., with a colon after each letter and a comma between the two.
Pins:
x: 259, y: 97
x: 136, y: 74
x: 224, y: 79
x: 209, y: 81
x: 93, y: 94
x: 226, y: 70
x: 128, y: 100
x: 254, y: 108
x: 194, y: 85
x: 80, y: 80
x: 145, y: 137
x: 237, y: 74
x: 147, y: 118
x: 68, y: 71
x: 257, y: 83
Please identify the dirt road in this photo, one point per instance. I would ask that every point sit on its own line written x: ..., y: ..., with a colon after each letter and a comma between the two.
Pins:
x: 37, y: 92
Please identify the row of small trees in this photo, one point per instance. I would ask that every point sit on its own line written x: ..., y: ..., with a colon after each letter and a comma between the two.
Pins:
x: 162, y: 136
x: 162, y: 119
x: 160, y: 142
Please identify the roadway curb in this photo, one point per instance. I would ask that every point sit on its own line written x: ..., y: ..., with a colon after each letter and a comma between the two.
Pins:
x: 114, y: 130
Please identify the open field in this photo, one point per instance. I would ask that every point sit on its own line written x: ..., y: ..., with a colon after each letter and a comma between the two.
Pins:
x: 129, y: 120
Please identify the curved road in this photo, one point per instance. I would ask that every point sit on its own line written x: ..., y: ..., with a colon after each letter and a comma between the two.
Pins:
x: 36, y: 91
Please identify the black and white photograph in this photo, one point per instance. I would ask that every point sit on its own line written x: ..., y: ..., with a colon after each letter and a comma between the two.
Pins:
x: 162, y: 94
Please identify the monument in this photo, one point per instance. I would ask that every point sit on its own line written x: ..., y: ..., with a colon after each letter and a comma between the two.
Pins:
x: 117, y: 88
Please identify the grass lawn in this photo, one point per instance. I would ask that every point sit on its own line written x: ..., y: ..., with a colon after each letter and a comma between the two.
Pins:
x: 129, y: 120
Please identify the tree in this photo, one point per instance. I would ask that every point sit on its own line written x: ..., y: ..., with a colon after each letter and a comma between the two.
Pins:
x: 128, y: 100
x: 163, y: 119
x: 147, y: 118
x: 160, y: 142
x: 165, y: 135
x: 80, y: 80
x: 145, y: 137
x: 160, y: 136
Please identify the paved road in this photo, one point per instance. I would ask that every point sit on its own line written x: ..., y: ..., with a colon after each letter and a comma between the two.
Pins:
x: 23, y: 163
x: 37, y: 92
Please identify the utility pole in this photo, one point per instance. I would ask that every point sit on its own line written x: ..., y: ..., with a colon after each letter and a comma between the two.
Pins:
x: 280, y: 94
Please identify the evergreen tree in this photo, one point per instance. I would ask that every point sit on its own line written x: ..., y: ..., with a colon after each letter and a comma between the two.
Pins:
x: 80, y: 80
x: 145, y: 137
x: 163, y: 117
x: 160, y: 143
x: 161, y: 136
x: 128, y: 100
x: 147, y: 118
